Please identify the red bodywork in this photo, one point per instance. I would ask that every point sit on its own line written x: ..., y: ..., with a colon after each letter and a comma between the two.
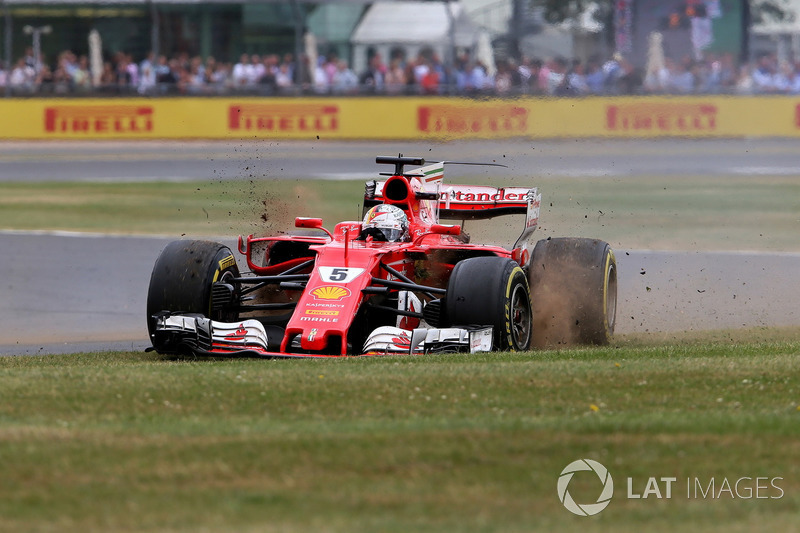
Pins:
x: 347, y: 270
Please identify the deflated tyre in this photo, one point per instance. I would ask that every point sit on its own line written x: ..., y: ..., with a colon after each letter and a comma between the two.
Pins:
x: 573, y: 292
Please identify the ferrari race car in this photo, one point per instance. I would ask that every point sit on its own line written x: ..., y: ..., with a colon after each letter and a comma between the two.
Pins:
x: 398, y: 282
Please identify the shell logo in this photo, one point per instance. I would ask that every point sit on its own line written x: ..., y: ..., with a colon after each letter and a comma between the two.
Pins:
x: 330, y: 292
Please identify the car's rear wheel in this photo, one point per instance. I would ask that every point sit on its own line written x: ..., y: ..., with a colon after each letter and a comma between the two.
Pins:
x: 491, y: 291
x: 573, y: 292
x: 183, y: 277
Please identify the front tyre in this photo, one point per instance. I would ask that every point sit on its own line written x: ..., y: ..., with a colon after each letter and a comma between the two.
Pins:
x: 182, y: 279
x: 491, y: 291
x: 573, y: 292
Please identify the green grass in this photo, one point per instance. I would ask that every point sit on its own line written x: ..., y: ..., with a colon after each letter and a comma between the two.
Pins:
x: 191, y: 208
x: 129, y: 441
x: 657, y: 212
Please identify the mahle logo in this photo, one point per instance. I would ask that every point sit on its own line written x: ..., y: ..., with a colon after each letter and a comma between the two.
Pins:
x: 585, y: 509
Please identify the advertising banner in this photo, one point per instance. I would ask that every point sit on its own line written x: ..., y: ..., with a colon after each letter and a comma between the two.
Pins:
x: 399, y: 118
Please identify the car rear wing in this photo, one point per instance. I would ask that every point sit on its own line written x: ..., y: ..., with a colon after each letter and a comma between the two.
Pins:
x: 469, y: 202
x: 473, y: 202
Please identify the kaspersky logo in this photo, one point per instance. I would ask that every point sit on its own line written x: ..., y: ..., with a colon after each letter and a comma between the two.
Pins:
x: 606, y: 492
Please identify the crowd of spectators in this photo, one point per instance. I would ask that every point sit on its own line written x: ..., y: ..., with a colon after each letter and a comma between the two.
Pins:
x: 273, y: 74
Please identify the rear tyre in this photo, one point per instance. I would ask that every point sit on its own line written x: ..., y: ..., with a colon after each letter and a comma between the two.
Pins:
x: 491, y: 291
x: 182, y: 279
x: 573, y: 292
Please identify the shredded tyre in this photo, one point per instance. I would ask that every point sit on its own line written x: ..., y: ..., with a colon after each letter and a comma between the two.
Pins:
x: 573, y: 292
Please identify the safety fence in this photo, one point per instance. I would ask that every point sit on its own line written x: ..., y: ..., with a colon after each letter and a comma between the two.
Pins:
x: 399, y: 118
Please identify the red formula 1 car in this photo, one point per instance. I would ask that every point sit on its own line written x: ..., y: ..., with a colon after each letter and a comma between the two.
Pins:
x: 398, y: 282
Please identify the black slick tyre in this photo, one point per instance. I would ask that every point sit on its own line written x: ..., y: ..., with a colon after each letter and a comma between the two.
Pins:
x: 491, y: 291
x: 183, y: 276
x: 573, y: 292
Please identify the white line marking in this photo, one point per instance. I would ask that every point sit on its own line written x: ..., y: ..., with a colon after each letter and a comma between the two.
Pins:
x: 140, y: 179
x: 766, y: 171
x: 583, y: 172
x: 346, y: 176
x: 78, y: 234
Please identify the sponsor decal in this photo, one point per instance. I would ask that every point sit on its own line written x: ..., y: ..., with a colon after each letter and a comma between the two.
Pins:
x: 501, y: 195
x: 312, y: 334
x: 325, y: 304
x: 98, y: 119
x: 227, y: 262
x: 322, y: 312
x: 318, y: 319
x: 481, y: 341
x: 403, y: 341
x: 330, y: 292
x: 285, y: 118
x: 448, y: 118
x: 662, y: 117
x: 238, y: 335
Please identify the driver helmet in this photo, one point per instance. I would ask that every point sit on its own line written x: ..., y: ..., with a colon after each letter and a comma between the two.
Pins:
x: 385, y: 223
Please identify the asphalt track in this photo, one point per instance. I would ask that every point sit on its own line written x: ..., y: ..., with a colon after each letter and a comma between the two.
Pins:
x: 64, y: 293
x: 183, y: 161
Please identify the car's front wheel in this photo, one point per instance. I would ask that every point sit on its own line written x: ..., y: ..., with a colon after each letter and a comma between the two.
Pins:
x: 183, y: 277
x: 491, y: 291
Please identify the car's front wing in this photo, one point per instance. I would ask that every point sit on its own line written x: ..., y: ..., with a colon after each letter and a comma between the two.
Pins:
x: 193, y: 334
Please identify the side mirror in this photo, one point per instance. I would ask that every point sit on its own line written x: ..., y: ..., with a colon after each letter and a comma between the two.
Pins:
x: 307, y: 222
x: 311, y: 223
x: 446, y: 229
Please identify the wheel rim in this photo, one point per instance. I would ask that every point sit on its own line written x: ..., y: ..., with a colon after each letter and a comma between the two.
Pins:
x: 611, y: 298
x: 520, y: 318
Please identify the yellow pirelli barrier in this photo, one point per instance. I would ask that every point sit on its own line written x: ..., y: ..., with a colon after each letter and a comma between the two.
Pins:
x: 398, y: 118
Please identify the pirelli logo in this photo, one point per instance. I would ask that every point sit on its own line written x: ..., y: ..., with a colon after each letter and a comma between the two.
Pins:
x: 284, y: 118
x: 99, y: 119
x: 483, y: 120
x: 322, y: 312
x: 662, y: 117
x: 227, y: 262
